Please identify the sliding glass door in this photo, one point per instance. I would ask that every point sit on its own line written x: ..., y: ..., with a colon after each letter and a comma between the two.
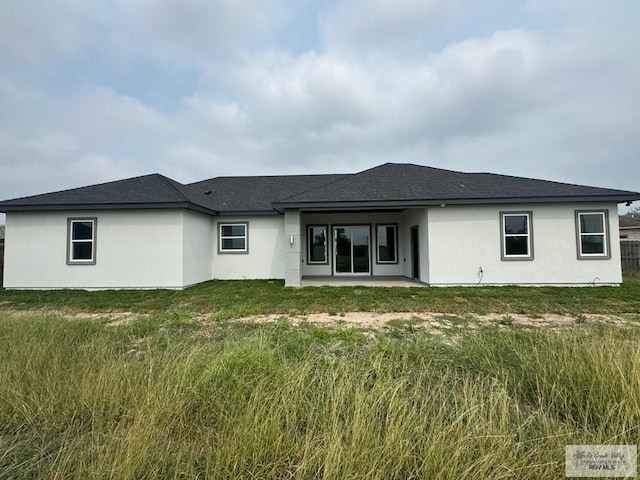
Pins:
x: 352, y: 250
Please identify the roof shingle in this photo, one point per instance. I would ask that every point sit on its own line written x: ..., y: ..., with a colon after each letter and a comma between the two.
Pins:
x: 414, y: 183
x: 138, y: 192
x: 385, y: 185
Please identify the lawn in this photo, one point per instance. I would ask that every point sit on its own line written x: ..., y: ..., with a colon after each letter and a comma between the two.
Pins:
x: 239, y: 298
x: 181, y: 390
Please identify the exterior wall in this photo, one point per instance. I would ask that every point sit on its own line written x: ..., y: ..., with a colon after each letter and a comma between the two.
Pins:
x: 1, y: 262
x: 176, y: 248
x: 198, y: 245
x: 462, y: 239
x: 292, y: 240
x: 134, y: 249
x: 265, y: 258
x: 417, y: 217
x: 337, y: 219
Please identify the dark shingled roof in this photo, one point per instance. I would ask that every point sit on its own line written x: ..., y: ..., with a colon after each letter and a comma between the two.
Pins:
x: 388, y: 185
x: 148, y: 191
x: 414, y: 184
x: 253, y: 194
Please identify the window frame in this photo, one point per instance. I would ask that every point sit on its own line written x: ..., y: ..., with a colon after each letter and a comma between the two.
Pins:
x: 71, y: 241
x: 395, y: 244
x: 310, y: 244
x: 606, y: 255
x: 233, y: 251
x: 503, y: 236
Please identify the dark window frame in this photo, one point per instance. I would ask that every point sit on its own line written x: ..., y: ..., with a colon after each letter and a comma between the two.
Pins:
x: 395, y: 241
x: 93, y: 241
x: 503, y: 236
x: 606, y: 255
x: 310, y: 244
x: 233, y: 251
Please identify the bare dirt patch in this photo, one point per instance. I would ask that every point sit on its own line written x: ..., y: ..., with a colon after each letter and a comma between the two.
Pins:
x: 431, y: 320
x: 114, y: 318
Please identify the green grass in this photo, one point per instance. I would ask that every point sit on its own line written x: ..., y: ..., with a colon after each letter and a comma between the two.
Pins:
x: 165, y: 397
x: 183, y: 392
x: 233, y: 299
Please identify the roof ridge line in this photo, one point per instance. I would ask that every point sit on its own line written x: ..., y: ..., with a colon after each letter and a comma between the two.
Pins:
x: 172, y: 184
x: 347, y: 176
x: 301, y: 175
x: 338, y: 180
x: 71, y: 189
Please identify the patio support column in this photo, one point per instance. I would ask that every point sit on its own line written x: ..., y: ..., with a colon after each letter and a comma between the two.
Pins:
x: 292, y: 248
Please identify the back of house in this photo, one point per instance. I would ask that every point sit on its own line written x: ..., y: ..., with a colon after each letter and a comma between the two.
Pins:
x: 1, y: 255
x: 438, y: 227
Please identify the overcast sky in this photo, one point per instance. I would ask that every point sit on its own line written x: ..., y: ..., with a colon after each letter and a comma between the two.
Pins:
x: 93, y: 91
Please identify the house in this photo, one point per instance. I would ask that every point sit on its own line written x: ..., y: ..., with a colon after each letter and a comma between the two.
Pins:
x: 1, y: 254
x: 629, y: 227
x: 437, y: 226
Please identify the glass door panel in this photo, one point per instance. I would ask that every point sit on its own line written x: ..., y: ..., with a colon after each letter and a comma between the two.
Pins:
x: 360, y: 242
x: 352, y: 250
x: 343, y: 249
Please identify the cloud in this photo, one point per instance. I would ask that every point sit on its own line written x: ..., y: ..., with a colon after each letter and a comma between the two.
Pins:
x: 33, y: 34
x: 52, y: 162
x: 192, y: 33
x: 103, y: 90
x: 355, y: 27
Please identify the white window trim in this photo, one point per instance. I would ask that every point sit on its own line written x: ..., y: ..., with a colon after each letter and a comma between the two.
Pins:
x: 504, y: 235
x: 395, y: 244
x: 605, y: 234
x: 71, y: 242
x: 310, y: 244
x: 226, y: 237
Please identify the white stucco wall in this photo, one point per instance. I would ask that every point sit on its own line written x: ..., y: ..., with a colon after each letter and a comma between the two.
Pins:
x: 416, y: 217
x: 266, y: 256
x: 198, y: 245
x: 135, y: 249
x: 293, y: 248
x: 463, y: 239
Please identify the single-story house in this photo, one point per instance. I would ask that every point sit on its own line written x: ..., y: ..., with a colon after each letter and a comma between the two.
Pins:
x: 629, y: 227
x: 1, y: 254
x: 437, y: 226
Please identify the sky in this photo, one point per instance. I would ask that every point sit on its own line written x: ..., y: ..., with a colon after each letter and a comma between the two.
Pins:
x: 193, y: 89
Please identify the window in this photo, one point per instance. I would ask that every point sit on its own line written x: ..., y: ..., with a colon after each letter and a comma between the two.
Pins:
x: 592, y: 230
x: 82, y: 241
x: 233, y: 237
x: 317, y: 241
x: 386, y: 236
x: 516, y: 235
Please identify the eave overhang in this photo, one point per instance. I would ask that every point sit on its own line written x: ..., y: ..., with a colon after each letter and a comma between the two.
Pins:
x: 369, y: 204
x: 107, y: 206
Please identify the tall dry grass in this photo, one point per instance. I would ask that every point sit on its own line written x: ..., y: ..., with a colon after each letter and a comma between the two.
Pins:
x: 81, y: 400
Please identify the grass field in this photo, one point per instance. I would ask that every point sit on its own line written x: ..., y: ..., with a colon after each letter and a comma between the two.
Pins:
x: 180, y: 390
x: 239, y: 298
